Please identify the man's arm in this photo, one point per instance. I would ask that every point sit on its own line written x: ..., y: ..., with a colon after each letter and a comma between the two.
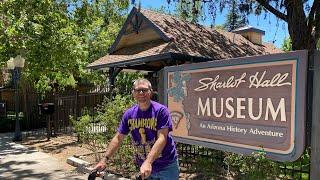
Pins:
x: 111, y: 150
x: 155, y: 152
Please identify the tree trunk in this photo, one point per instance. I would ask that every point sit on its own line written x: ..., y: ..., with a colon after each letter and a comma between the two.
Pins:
x: 300, y: 34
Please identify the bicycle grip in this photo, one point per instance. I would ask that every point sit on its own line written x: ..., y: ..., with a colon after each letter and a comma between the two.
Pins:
x: 93, y: 174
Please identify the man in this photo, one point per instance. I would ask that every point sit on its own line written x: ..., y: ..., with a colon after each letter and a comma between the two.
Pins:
x: 149, y: 124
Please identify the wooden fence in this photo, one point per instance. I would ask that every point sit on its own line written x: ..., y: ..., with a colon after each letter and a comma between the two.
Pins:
x: 65, y: 106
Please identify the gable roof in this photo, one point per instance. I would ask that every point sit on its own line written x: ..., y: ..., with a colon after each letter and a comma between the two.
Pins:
x: 133, y: 24
x: 148, y: 35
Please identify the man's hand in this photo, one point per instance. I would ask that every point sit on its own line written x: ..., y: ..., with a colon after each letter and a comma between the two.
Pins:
x: 101, y: 165
x: 145, y: 169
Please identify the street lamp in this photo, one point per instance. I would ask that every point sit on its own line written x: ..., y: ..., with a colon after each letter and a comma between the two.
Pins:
x: 16, y: 64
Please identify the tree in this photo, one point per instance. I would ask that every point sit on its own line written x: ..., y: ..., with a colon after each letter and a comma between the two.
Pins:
x: 182, y: 11
x: 234, y: 18
x: 188, y: 11
x: 287, y: 45
x: 41, y: 32
x: 58, y: 38
x: 303, y: 18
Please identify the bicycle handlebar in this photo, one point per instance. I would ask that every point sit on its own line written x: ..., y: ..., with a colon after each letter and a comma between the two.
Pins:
x: 94, y: 173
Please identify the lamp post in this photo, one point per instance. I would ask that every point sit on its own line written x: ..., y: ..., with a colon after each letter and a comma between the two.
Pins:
x: 16, y: 64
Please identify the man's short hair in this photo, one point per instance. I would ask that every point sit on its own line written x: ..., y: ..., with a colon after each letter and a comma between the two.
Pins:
x: 142, y: 80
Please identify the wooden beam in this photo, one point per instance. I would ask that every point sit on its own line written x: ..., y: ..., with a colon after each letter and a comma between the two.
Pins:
x: 113, y: 72
x: 161, y: 86
x: 144, y: 67
x: 144, y: 35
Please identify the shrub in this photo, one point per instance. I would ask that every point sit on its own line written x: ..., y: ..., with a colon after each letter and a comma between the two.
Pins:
x: 252, y: 167
x: 108, y: 115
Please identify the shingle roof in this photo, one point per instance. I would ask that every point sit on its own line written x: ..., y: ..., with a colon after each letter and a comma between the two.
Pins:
x: 133, y: 52
x: 187, y: 39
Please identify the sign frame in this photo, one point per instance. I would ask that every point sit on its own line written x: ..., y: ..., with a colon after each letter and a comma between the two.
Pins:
x: 300, y: 57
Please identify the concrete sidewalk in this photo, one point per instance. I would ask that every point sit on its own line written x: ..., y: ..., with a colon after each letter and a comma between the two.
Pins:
x: 19, y: 162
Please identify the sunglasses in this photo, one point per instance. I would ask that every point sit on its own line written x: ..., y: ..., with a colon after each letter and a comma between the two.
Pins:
x: 142, y: 90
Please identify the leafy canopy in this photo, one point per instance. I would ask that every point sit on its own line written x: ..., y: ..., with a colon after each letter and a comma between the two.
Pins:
x: 58, y: 38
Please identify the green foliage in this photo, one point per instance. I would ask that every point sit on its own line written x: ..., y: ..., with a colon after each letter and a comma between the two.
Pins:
x: 205, y: 168
x: 208, y: 167
x: 304, y: 12
x: 186, y: 10
x: 302, y: 164
x: 111, y: 111
x: 252, y: 167
x: 183, y: 11
x: 161, y: 9
x: 234, y: 18
x: 221, y: 27
x: 59, y: 38
x: 124, y: 159
x: 81, y: 125
x: 204, y: 163
x: 108, y: 115
x: 287, y: 45
x: 124, y: 82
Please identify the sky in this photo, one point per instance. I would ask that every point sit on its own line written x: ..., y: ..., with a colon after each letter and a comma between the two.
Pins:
x: 273, y: 33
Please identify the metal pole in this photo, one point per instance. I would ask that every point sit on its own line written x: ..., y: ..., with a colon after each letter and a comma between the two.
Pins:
x: 315, y: 132
x: 17, y: 132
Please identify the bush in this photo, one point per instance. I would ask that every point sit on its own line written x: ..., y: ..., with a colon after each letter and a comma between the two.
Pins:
x: 252, y: 167
x: 108, y: 115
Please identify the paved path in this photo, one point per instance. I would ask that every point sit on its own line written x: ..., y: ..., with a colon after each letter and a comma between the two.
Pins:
x: 19, y: 162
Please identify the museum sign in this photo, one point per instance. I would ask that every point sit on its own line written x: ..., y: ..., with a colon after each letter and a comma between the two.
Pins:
x: 241, y: 105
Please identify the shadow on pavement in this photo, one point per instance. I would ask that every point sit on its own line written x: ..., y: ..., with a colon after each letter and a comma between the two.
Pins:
x: 20, y: 162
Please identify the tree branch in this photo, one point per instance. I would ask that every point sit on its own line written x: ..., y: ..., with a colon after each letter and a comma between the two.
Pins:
x: 314, y: 9
x: 317, y: 23
x: 274, y: 11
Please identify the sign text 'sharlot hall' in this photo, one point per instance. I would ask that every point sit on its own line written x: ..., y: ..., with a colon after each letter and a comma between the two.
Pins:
x: 231, y: 107
x: 242, y: 105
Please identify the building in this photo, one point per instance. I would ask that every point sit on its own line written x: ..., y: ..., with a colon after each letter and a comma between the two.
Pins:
x: 149, y: 41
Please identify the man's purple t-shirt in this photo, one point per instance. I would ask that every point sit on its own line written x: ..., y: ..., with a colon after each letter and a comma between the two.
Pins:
x: 143, y: 126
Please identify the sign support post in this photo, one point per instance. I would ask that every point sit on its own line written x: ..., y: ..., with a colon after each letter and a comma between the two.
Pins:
x: 315, y: 131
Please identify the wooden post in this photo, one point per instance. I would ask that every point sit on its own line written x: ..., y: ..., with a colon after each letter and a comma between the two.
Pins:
x: 54, y: 117
x: 315, y: 128
x: 48, y: 126
x: 76, y: 106
x: 113, y: 72
x: 111, y: 80
x: 160, y: 86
